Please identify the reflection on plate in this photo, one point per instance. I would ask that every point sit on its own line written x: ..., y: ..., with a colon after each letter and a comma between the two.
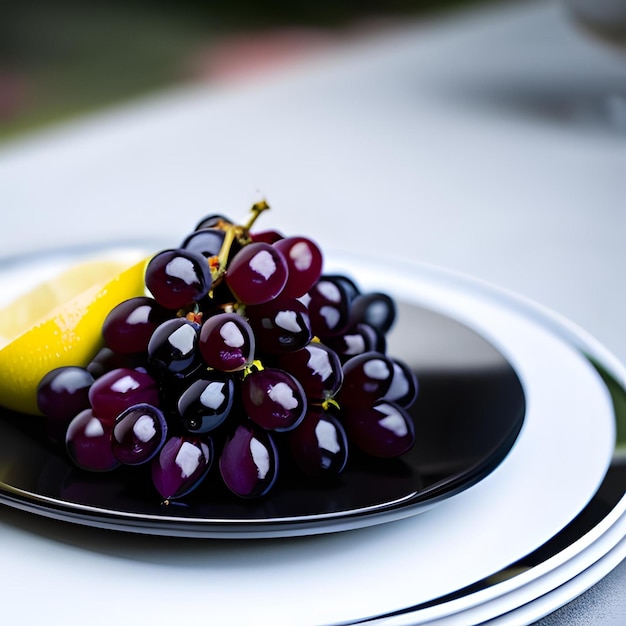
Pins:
x: 468, y: 415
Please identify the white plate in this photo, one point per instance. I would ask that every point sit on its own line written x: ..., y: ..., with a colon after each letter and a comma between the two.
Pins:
x: 564, y: 448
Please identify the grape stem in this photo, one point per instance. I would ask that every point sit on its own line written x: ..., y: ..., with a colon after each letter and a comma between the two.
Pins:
x: 236, y: 232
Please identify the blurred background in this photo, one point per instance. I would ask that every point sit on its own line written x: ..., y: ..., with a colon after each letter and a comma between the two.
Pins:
x: 65, y: 58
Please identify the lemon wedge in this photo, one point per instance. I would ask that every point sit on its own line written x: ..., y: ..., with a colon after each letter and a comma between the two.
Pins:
x: 60, y: 323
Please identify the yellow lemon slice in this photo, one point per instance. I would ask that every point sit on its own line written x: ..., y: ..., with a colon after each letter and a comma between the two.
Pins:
x: 59, y: 323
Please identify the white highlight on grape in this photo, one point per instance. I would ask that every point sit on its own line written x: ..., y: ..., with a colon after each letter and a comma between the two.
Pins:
x: 144, y: 428
x: 399, y: 384
x: 263, y: 263
x: 331, y: 315
x: 329, y: 290
x: 71, y: 384
x: 231, y: 335
x: 377, y: 312
x: 188, y: 459
x: 125, y: 384
x: 394, y: 421
x: 326, y: 435
x: 305, y: 299
x: 139, y: 316
x: 182, y: 268
x: 183, y: 339
x: 319, y: 364
x: 261, y: 458
x: 355, y: 344
x: 282, y: 394
x: 301, y: 256
x: 376, y: 369
x: 213, y: 396
x: 94, y: 428
x: 288, y: 320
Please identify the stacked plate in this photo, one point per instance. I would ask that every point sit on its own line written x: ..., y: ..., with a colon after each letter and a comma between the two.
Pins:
x: 511, y: 504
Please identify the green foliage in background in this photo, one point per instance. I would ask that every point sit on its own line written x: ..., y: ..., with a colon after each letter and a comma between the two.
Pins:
x: 63, y: 58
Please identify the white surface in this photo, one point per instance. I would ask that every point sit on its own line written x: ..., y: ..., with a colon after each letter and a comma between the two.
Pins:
x: 424, y: 135
x: 424, y: 145
x: 409, y: 561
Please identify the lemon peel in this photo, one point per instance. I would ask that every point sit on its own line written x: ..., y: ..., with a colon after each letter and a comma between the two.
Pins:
x: 59, y: 323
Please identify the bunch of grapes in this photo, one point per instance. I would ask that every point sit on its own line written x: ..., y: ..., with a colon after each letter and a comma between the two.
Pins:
x: 243, y: 352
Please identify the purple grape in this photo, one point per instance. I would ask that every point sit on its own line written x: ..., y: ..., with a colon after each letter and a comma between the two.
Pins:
x: 106, y: 360
x: 64, y: 391
x: 227, y: 342
x: 138, y: 434
x: 366, y: 378
x: 88, y: 442
x: 328, y: 302
x: 319, y: 445
x: 61, y: 394
x: 384, y: 430
x: 249, y: 462
x: 304, y: 262
x: 115, y: 391
x: 357, y: 340
x: 173, y: 349
x: 257, y: 273
x: 317, y: 368
x: 404, y: 386
x: 206, y: 242
x: 129, y: 325
x: 280, y: 325
x: 177, y: 278
x: 181, y: 466
x: 348, y: 286
x: 215, y: 221
x: 267, y: 236
x: 207, y: 402
x: 376, y: 309
x: 273, y: 399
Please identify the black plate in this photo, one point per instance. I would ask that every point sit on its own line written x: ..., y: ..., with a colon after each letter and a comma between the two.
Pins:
x: 468, y: 415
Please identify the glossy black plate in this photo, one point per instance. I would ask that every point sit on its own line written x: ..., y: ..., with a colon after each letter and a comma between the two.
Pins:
x: 468, y: 415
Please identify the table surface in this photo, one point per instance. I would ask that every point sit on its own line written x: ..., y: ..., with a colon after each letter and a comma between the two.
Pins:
x: 491, y: 143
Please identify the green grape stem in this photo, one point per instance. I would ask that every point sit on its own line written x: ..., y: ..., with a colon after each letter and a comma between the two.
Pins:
x: 241, y: 234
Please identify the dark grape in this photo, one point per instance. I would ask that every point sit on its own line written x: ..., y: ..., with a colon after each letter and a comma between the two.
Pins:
x: 273, y: 399
x: 316, y: 367
x: 357, y: 340
x: 227, y: 342
x: 64, y: 391
x: 115, y: 391
x: 129, y: 325
x: 376, y: 309
x: 319, y: 445
x: 366, y: 378
x: 280, y: 325
x: 207, y: 402
x: 177, y: 278
x: 207, y: 242
x: 267, y: 236
x: 257, y: 273
x: 138, y: 434
x: 106, y: 360
x: 404, y: 385
x: 383, y: 430
x: 88, y: 442
x: 181, y: 466
x: 249, y: 462
x: 329, y: 307
x: 173, y: 349
x: 304, y: 262
x: 215, y: 221
x: 349, y: 287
